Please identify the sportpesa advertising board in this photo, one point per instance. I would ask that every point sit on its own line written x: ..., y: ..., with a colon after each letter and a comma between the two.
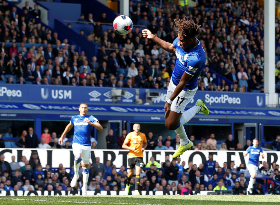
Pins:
x: 54, y: 157
x: 70, y: 94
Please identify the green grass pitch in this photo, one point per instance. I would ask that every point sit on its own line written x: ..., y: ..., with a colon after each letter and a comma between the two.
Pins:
x: 142, y: 200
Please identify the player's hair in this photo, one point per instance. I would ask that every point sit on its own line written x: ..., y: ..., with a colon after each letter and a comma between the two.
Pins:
x: 84, y: 104
x: 187, y: 28
x: 255, y: 139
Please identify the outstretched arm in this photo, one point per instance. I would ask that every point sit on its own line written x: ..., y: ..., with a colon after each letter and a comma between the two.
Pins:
x: 165, y: 45
x: 67, y: 129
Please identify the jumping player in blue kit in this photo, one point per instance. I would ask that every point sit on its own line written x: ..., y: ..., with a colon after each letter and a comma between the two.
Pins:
x: 184, y: 80
x: 83, y: 125
x: 253, y: 163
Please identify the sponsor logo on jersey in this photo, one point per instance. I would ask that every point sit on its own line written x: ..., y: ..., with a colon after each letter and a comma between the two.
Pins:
x: 80, y: 123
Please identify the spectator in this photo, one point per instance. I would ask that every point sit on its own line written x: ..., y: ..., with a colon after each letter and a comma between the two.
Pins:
x: 239, y: 147
x: 2, y: 143
x: 121, y: 139
x: 108, y: 169
x: 212, y: 141
x: 276, y: 143
x: 103, y: 18
x: 34, y: 161
x: 248, y: 144
x: 38, y: 171
x: 111, y: 140
x: 230, y: 143
x: 172, y: 172
x: 152, y: 161
x: 27, y: 186
x: 16, y: 178
x: 31, y: 140
x: 240, y: 73
x: 243, y: 82
x: 197, y: 178
x: 236, y: 189
x: 82, y: 18
x: 266, y: 170
x: 14, y: 165
x: 160, y: 146
x: 43, y: 145
x: 220, y: 186
x: 67, y: 145
x: 258, y: 190
x: 223, y: 146
x: 253, y: 84
x: 4, y: 166
x: 151, y: 142
x: 28, y: 174
x: 209, y: 168
x: 97, y: 167
x: 54, y: 144
x: 93, y: 143
x: 168, y: 145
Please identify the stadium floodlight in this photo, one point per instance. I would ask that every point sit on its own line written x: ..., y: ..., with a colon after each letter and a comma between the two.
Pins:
x: 117, y: 94
x: 150, y: 95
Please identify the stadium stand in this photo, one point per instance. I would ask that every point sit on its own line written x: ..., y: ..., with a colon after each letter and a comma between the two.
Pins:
x: 232, y: 36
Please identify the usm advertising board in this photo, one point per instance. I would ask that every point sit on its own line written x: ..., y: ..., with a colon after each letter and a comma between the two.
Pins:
x: 62, y: 94
x: 54, y: 157
x: 68, y: 94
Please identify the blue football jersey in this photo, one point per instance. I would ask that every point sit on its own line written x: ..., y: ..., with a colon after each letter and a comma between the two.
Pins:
x: 82, y: 130
x: 191, y: 61
x: 254, y: 154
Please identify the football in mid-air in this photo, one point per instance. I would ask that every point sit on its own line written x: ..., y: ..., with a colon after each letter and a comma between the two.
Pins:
x: 123, y: 25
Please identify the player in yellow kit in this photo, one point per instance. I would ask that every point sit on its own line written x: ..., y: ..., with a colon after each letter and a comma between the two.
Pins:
x: 136, y: 143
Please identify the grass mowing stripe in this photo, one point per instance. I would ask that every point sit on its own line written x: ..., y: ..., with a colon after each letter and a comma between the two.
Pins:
x: 144, y: 200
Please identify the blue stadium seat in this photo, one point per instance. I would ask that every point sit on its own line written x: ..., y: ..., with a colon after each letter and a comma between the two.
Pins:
x: 8, y: 75
x: 29, y: 45
x: 28, y: 82
x: 8, y: 144
x: 218, y: 146
x: 2, y: 81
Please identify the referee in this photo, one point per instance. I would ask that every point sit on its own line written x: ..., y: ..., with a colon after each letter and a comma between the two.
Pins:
x: 134, y: 142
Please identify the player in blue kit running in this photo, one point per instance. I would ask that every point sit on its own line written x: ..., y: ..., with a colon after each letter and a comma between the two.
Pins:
x: 253, y: 164
x: 83, y: 125
x: 184, y: 80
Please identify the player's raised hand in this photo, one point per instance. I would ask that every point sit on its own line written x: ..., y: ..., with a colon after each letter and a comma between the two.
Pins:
x: 147, y: 34
x: 86, y: 120
x: 60, y: 140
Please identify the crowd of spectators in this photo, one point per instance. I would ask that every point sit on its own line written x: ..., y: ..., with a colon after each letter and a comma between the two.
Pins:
x: 168, y: 176
x: 231, y: 34
x: 28, y: 175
